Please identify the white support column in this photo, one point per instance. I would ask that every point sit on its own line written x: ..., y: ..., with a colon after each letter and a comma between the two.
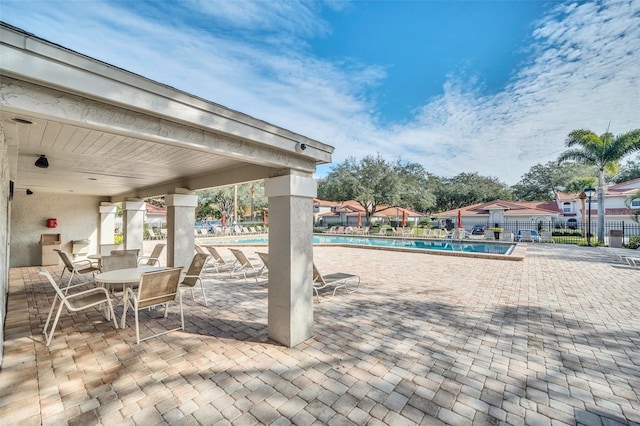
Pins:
x: 290, y: 304
x: 181, y: 219
x: 133, y: 223
x: 107, y: 227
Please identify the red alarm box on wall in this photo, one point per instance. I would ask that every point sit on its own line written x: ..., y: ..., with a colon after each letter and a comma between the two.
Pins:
x: 52, y: 223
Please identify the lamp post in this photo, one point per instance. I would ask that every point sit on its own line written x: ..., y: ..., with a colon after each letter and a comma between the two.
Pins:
x: 589, y: 192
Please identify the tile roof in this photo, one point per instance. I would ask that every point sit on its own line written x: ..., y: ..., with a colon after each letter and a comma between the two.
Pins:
x: 511, y: 208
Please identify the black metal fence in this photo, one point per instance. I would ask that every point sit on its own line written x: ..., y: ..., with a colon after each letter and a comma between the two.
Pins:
x: 577, y: 233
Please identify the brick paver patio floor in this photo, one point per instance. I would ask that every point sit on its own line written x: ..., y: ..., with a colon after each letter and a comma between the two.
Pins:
x: 426, y: 339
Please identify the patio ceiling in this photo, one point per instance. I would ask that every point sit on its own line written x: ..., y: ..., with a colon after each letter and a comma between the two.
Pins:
x: 109, y: 132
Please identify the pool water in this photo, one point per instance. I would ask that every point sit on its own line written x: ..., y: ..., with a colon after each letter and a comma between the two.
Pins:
x: 416, y: 244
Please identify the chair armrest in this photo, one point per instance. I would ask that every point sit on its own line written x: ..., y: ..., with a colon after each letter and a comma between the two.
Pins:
x: 83, y: 262
x: 91, y: 290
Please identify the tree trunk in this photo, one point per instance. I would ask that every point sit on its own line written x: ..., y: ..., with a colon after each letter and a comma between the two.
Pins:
x: 601, y: 189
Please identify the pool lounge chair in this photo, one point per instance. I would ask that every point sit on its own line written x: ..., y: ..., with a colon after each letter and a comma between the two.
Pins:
x: 264, y: 257
x: 546, y: 237
x: 243, y: 264
x: 218, y: 262
x: 335, y: 280
x: 382, y: 231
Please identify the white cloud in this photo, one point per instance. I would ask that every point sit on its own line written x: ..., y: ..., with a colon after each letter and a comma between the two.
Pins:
x: 582, y: 73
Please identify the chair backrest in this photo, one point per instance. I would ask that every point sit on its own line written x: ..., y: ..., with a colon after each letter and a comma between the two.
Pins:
x: 68, y: 264
x: 264, y: 257
x: 317, y: 277
x: 155, y: 254
x: 158, y: 287
x: 546, y: 236
x: 506, y: 236
x: 239, y: 255
x: 195, y: 269
x: 216, y: 256
x: 55, y: 286
x: 525, y: 235
x: 199, y: 249
x: 123, y: 252
x: 124, y: 261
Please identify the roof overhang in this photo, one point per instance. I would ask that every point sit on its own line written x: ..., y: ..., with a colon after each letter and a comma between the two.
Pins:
x: 106, y: 131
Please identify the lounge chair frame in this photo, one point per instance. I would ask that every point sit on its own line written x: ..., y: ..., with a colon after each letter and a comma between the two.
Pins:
x: 336, y: 280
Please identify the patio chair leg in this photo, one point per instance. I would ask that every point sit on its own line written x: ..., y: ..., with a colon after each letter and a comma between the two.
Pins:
x: 204, y: 296
x: 55, y: 323
x: 181, y: 310
x: 135, y: 312
x: 53, y: 305
x: 66, y: 290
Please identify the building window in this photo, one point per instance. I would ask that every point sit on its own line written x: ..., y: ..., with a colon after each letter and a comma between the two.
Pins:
x: 566, y: 208
x: 635, y: 203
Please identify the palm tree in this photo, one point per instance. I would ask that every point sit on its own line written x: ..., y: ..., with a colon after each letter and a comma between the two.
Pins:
x: 604, y: 152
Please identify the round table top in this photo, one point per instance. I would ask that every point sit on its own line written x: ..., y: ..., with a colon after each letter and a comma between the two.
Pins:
x: 129, y: 275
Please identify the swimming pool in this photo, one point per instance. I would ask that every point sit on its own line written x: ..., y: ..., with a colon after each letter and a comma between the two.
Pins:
x: 449, y: 247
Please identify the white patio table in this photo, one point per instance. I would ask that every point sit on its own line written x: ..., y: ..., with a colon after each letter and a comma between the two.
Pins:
x: 125, y: 277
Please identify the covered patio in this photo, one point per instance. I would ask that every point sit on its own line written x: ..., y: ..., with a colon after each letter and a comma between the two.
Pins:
x: 112, y: 138
x: 426, y: 339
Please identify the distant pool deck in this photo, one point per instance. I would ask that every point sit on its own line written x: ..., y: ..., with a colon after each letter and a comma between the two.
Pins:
x: 445, y: 247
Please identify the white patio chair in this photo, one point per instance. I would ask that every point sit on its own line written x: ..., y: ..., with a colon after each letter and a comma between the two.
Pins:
x: 124, y: 252
x: 74, y: 302
x: 155, y: 288
x: 154, y: 258
x: 194, y: 273
x: 80, y: 267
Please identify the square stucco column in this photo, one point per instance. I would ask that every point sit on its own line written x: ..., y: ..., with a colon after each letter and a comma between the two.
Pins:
x: 290, y: 303
x: 107, y: 226
x: 181, y: 218
x: 133, y: 223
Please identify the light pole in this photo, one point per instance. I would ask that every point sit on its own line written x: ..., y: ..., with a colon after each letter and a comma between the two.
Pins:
x: 589, y: 192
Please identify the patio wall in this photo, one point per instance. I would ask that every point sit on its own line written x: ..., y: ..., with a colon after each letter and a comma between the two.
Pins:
x: 4, y: 234
x: 77, y: 215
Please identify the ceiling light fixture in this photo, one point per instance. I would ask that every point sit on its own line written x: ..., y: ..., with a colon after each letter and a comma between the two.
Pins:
x: 42, y: 162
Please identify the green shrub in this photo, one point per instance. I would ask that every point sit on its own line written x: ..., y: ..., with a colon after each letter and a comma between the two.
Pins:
x: 634, y: 242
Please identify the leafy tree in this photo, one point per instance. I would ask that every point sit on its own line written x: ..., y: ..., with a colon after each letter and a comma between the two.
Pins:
x: 628, y: 171
x: 543, y: 182
x: 373, y: 181
x: 604, y: 152
x: 470, y: 188
x: 579, y: 184
x: 417, y: 187
x: 212, y: 202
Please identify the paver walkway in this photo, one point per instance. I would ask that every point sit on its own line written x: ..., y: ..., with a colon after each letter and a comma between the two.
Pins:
x: 427, y: 339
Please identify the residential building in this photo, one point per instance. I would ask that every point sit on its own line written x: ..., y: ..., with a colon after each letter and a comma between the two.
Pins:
x: 345, y: 213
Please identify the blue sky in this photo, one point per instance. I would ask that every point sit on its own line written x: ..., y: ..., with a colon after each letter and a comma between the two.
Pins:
x: 492, y: 87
